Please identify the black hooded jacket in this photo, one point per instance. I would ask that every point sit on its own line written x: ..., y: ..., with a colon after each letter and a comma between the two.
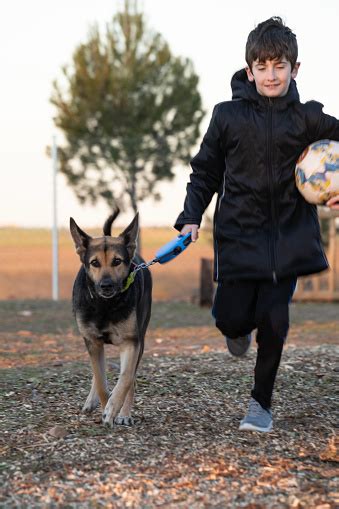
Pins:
x: 263, y: 227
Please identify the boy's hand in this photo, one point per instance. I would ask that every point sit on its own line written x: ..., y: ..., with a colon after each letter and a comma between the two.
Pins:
x: 333, y: 203
x: 193, y: 228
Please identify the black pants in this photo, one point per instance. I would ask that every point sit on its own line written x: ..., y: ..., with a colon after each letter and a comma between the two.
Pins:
x: 241, y: 306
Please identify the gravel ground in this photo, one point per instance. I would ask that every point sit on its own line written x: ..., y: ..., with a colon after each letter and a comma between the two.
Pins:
x: 185, y: 450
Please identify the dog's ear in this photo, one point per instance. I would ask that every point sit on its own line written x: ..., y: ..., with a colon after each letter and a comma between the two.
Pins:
x: 130, y: 236
x: 80, y: 238
x: 107, y: 229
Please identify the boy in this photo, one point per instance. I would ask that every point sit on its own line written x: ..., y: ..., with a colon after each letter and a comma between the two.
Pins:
x: 265, y: 233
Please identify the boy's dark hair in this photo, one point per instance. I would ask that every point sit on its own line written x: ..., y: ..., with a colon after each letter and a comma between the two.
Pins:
x: 271, y: 39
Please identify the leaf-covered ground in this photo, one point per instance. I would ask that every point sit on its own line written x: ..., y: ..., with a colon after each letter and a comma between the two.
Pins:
x: 185, y: 450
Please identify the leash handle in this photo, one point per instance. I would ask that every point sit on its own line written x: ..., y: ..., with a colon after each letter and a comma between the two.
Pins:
x: 173, y: 248
x: 166, y: 253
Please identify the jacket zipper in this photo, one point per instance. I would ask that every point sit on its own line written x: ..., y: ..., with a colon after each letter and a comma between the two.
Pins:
x: 271, y: 191
x: 216, y: 249
x: 215, y: 225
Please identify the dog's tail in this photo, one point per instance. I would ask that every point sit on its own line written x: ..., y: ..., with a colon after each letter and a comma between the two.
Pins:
x: 108, y: 223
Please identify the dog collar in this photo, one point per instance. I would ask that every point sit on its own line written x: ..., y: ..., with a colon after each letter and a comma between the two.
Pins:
x: 129, y: 281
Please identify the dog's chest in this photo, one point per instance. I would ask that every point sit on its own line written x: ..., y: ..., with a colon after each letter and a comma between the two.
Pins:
x: 112, y: 333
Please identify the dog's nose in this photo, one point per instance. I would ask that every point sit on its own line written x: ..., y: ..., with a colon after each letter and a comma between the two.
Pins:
x: 106, y: 284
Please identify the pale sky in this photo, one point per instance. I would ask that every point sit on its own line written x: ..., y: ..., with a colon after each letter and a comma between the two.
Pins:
x: 38, y: 36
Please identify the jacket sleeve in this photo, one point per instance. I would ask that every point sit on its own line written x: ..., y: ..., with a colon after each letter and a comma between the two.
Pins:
x: 208, y: 168
x: 320, y: 125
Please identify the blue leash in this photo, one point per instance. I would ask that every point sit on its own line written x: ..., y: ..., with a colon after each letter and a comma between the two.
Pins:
x: 173, y: 248
x: 165, y: 254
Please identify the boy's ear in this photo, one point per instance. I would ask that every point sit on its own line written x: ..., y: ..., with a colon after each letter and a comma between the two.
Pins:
x: 250, y: 76
x: 295, y: 70
x: 130, y: 236
x: 80, y: 238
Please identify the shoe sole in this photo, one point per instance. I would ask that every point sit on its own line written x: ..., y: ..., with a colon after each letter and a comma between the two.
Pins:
x: 242, y: 354
x: 238, y: 354
x: 251, y: 427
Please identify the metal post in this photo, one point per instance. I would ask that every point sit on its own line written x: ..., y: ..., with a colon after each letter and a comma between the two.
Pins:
x: 55, y: 251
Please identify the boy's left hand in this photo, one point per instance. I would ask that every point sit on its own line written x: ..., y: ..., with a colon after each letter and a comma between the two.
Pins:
x: 333, y: 203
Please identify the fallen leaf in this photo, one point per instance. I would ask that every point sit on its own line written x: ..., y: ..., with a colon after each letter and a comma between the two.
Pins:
x: 294, y: 502
x: 331, y: 451
x: 58, y: 432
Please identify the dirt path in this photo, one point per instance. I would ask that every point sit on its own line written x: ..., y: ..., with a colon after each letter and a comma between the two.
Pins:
x: 185, y: 450
x: 26, y: 348
x: 41, y: 332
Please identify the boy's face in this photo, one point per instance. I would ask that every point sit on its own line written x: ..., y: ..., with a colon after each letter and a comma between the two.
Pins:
x: 272, y: 77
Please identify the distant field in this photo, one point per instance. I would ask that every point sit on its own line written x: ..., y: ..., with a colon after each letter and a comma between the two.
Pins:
x: 26, y: 255
x: 26, y: 258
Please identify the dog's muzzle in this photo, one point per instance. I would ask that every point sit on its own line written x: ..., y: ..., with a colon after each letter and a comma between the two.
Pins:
x: 107, y: 289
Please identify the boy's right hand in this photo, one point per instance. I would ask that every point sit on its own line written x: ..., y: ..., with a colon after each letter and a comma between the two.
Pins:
x: 193, y: 228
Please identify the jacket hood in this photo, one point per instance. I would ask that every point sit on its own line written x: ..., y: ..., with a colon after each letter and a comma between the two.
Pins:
x: 242, y: 88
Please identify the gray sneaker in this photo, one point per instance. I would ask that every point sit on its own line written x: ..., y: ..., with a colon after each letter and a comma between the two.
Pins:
x: 257, y: 418
x: 238, y: 346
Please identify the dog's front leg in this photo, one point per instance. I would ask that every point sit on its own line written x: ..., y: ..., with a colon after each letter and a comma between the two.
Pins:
x: 99, y: 390
x: 129, y: 351
x: 92, y: 400
x: 124, y: 416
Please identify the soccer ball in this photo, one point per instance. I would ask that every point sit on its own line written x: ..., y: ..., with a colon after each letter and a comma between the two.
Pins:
x: 317, y: 171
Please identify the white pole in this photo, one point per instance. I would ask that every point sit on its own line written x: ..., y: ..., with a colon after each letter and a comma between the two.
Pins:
x: 55, y: 256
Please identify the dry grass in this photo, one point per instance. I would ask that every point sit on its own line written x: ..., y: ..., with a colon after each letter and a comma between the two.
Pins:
x: 26, y: 254
x: 25, y: 264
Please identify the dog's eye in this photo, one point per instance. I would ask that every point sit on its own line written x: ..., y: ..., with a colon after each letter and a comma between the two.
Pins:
x: 116, y: 261
x: 95, y: 263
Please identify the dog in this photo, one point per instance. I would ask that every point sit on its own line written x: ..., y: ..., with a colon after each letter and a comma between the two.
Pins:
x: 111, y: 308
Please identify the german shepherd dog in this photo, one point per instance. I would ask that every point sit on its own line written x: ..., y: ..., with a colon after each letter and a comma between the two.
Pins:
x: 111, y: 309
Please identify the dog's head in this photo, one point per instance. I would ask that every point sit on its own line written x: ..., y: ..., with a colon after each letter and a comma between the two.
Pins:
x: 107, y: 259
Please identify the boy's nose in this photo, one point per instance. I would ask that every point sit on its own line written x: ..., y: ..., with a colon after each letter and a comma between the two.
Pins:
x: 271, y: 74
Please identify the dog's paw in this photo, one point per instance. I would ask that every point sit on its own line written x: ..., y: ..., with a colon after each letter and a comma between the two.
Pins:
x: 124, y: 420
x: 90, y: 405
x: 107, y: 421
